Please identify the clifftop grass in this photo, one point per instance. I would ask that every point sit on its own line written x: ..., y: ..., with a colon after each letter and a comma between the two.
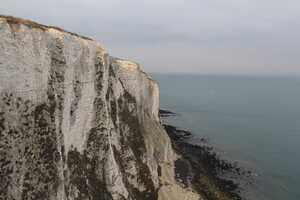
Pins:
x: 31, y: 24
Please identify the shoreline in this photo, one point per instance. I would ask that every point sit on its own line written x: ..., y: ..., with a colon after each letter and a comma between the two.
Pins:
x: 201, y: 168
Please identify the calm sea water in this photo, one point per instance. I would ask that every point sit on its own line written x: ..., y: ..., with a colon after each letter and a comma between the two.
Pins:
x: 256, y: 121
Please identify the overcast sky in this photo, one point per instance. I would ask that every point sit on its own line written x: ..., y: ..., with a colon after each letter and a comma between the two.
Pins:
x: 260, y: 37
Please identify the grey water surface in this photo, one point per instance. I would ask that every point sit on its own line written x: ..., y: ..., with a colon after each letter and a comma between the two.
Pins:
x: 253, y: 120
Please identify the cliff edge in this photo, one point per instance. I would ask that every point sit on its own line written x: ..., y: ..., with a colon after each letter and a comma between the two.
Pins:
x: 78, y: 124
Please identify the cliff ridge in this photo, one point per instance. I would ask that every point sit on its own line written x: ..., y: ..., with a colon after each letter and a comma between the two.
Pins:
x: 78, y: 124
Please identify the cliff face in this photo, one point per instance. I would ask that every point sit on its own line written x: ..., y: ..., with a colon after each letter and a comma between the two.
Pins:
x: 76, y: 123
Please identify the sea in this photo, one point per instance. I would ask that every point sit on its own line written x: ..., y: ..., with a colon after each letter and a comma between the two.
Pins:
x: 254, y: 121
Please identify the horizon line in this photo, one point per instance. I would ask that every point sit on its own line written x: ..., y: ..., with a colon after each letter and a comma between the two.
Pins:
x: 228, y: 75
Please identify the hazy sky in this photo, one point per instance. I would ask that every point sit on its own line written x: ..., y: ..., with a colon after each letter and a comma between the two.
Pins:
x: 259, y: 37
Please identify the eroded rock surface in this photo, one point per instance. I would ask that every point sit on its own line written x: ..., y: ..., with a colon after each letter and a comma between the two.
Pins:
x: 76, y: 123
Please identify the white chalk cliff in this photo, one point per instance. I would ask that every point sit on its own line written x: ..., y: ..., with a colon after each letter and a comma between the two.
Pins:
x: 78, y: 124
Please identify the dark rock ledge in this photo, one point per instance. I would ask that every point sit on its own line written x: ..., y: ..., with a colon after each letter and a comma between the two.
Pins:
x: 166, y: 113
x: 202, y: 169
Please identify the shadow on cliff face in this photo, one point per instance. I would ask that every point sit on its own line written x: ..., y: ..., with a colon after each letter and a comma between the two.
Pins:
x: 34, y: 153
x: 28, y: 136
x: 135, y: 141
x: 201, y: 168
